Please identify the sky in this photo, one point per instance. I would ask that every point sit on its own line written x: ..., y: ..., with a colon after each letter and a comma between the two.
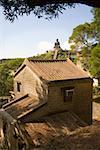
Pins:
x: 28, y: 35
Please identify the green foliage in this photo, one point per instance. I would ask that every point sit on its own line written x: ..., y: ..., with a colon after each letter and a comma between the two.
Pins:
x: 82, y: 39
x: 95, y: 62
x: 13, y: 8
x: 15, y: 63
x: 5, y: 80
x: 96, y: 21
x: 47, y: 55
x: 6, y: 75
x: 85, y: 37
x: 82, y: 36
x: 62, y: 55
x: 50, y: 54
x: 86, y: 54
x: 41, y: 8
x: 96, y: 93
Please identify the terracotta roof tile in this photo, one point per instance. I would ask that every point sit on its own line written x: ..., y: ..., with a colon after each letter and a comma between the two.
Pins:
x: 20, y: 106
x: 52, y: 70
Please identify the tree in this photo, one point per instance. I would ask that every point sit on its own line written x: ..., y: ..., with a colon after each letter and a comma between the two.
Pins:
x: 86, y: 37
x: 96, y: 21
x: 95, y: 62
x: 6, y: 81
x: 47, y: 8
x: 83, y: 36
x: 88, y: 34
x: 82, y: 39
x: 6, y: 76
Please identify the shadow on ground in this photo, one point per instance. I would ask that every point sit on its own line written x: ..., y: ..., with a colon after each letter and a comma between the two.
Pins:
x: 82, y: 138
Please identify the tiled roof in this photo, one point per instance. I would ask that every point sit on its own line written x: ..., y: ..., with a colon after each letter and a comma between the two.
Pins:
x: 21, y: 106
x: 52, y: 70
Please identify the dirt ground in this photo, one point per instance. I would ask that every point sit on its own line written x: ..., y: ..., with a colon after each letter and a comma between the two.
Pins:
x: 59, y: 132
x: 96, y: 111
x: 55, y: 135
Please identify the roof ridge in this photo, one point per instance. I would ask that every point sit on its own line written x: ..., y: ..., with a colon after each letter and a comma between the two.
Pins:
x: 48, y: 60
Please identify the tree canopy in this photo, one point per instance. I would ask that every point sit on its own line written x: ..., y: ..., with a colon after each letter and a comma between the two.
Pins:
x: 86, y: 38
x: 83, y: 36
x: 87, y: 34
x: 6, y: 75
x: 47, y: 8
x: 95, y: 61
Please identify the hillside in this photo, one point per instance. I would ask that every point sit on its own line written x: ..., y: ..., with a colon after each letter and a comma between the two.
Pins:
x: 49, y: 55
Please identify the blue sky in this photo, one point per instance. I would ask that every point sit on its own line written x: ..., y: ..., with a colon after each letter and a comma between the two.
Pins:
x: 29, y: 35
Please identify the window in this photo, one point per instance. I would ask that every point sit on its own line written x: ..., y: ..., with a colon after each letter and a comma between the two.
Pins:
x: 68, y: 93
x: 18, y: 86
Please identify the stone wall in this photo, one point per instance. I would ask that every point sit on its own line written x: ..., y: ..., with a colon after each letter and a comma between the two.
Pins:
x: 30, y: 84
x: 81, y: 103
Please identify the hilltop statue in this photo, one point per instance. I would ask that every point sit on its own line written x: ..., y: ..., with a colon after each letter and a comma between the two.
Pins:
x: 56, y: 48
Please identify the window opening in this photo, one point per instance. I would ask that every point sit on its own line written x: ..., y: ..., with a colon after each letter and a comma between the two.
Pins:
x: 68, y: 94
x: 18, y: 86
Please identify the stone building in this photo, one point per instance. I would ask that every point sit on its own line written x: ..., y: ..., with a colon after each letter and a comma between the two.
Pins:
x: 52, y: 98
x: 45, y: 87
